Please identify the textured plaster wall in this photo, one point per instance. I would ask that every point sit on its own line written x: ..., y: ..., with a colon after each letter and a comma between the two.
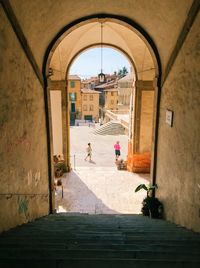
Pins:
x: 23, y: 146
x: 147, y: 108
x: 178, y: 167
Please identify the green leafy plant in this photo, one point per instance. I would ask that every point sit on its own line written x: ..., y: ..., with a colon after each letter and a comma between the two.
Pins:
x: 147, y: 188
x: 151, y: 206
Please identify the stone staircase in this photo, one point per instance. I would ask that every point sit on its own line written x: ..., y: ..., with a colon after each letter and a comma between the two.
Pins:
x: 110, y: 128
x: 98, y: 241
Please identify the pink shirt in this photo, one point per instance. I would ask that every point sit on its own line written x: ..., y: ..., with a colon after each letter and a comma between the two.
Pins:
x: 117, y: 146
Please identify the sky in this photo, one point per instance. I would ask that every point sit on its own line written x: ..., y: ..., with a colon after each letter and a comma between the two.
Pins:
x: 88, y: 63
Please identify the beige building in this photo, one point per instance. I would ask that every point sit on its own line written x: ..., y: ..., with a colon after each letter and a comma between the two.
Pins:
x: 90, y: 104
x: 111, y: 99
x: 125, y: 87
x: 90, y: 83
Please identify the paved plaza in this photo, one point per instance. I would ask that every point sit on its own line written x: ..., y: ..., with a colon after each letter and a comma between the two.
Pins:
x: 103, y: 154
x: 97, y: 187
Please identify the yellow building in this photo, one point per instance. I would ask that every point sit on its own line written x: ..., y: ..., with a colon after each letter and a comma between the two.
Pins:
x: 111, y: 99
x: 90, y: 104
x: 74, y: 91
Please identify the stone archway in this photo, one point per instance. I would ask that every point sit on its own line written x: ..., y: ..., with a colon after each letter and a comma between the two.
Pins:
x: 155, y: 69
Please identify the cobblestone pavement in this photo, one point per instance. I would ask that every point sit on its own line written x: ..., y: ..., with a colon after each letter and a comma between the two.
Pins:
x: 97, y: 187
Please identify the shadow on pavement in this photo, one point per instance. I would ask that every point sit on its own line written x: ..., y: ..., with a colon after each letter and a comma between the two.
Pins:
x: 79, y: 198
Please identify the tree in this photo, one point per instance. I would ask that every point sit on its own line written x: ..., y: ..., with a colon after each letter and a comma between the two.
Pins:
x: 122, y: 72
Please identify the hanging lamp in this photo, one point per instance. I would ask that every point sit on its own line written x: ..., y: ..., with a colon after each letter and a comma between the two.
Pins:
x: 101, y: 76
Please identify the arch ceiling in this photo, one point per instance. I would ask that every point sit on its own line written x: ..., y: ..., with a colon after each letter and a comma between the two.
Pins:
x: 114, y: 34
x: 41, y: 21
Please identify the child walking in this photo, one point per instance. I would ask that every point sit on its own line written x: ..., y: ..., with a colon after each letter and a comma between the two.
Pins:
x: 89, y: 152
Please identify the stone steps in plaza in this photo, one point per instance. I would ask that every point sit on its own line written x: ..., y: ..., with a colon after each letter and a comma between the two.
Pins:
x: 67, y: 240
x: 110, y: 128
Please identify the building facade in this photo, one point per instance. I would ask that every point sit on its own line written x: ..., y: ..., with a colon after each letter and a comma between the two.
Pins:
x: 111, y: 99
x: 74, y: 97
x: 90, y: 104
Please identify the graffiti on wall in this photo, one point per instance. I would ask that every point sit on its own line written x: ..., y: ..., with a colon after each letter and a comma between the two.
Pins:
x: 33, y: 177
x: 23, y: 206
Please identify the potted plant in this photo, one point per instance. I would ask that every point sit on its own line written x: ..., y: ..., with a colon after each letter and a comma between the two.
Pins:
x: 151, y: 205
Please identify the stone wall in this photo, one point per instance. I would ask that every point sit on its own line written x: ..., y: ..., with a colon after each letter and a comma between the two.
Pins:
x: 24, y: 193
x: 178, y: 166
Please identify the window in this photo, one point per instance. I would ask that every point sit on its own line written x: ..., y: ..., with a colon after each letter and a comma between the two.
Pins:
x: 91, y: 108
x: 72, y: 84
x: 72, y: 96
x: 88, y: 117
x: 85, y: 97
x: 73, y: 107
x: 91, y: 97
x: 112, y: 101
x: 112, y: 93
x: 84, y: 107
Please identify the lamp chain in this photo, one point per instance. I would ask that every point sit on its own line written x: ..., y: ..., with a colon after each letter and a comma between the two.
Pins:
x: 101, y: 47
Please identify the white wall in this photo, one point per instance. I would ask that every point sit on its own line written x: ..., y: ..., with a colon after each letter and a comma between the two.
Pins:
x: 56, y: 114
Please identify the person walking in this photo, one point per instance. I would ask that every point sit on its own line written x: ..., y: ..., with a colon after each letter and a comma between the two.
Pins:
x: 117, y: 150
x: 89, y: 152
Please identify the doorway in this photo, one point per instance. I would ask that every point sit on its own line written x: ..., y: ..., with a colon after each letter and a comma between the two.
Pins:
x: 146, y: 72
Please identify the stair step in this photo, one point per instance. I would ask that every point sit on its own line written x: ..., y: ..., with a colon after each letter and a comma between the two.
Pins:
x: 32, y: 253
x: 98, y: 263
x: 101, y: 247
x: 110, y: 128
